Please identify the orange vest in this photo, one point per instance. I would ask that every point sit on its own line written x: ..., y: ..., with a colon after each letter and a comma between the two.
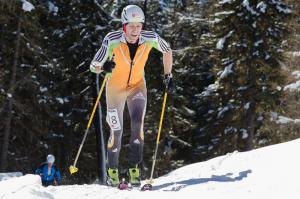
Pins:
x: 128, y: 73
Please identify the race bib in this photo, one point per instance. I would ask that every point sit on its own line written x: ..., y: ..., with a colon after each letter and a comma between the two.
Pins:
x: 113, y: 119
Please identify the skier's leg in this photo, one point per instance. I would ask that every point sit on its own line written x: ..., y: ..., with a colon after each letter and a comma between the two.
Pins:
x: 115, y: 106
x: 136, y: 102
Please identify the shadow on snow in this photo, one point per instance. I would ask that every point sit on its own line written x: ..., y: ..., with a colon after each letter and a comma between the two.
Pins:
x: 214, y: 178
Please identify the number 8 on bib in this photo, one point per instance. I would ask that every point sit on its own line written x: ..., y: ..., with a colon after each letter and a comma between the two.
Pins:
x: 113, y: 119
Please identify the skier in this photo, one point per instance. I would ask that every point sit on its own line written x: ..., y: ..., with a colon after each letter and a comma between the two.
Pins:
x: 123, y: 55
x: 50, y: 175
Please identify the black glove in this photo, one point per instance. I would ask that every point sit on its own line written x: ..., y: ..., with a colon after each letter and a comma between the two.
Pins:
x: 169, y: 83
x: 108, y: 66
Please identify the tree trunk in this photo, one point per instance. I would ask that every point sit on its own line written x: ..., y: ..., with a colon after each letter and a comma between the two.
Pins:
x: 5, y: 144
x: 145, y: 13
x: 251, y: 126
x: 249, y: 120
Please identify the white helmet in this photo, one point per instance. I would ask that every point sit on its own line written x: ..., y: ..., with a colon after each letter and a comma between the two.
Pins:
x: 50, y: 159
x: 132, y: 13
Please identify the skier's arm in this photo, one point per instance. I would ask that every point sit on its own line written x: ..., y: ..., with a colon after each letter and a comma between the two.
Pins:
x: 100, y: 57
x: 38, y: 171
x: 164, y: 47
x: 58, y: 176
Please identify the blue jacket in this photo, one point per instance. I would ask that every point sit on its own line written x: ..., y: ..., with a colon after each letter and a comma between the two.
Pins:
x: 54, y: 175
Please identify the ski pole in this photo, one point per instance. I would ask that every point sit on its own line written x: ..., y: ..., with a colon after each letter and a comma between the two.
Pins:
x: 73, y: 168
x: 158, y: 136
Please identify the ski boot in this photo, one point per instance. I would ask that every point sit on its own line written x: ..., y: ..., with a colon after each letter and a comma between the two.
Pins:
x: 134, y: 177
x: 113, y: 177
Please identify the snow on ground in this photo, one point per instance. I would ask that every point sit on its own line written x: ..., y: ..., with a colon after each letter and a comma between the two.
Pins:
x: 270, y: 172
x: 5, y: 176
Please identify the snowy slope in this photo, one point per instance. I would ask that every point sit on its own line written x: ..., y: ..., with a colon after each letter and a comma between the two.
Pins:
x: 270, y: 172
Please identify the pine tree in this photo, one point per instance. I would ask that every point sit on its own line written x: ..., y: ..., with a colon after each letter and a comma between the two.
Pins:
x: 249, y: 36
x: 22, y: 56
x: 290, y: 104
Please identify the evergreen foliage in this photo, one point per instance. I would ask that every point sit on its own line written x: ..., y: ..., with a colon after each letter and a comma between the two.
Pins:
x: 249, y: 37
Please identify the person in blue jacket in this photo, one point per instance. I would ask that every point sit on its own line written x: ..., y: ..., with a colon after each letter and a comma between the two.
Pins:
x: 50, y: 175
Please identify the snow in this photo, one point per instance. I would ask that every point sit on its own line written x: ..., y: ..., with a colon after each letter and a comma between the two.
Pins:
x: 225, y: 1
x: 262, y: 7
x: 278, y: 88
x: 43, y: 89
x: 98, y: 27
x: 247, y: 106
x: 230, y: 130
x: 52, y: 8
x: 220, y: 44
x: 285, y: 120
x: 224, y: 13
x: 273, y: 116
x: 296, y: 73
x: 269, y: 172
x: 60, y: 100
x: 5, y: 176
x: 296, y: 85
x: 42, y: 101
x: 249, y: 8
x: 295, y: 53
x: 244, y: 133
x: 258, y: 42
x: 260, y: 118
x: 27, y: 6
x: 209, y: 90
x: 293, y: 87
x: 279, y: 119
x: 226, y: 71
x: 189, y: 111
x: 280, y: 7
x: 222, y: 111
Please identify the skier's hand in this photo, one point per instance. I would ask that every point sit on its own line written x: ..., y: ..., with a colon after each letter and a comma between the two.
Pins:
x: 95, y: 67
x: 108, y: 66
x: 169, y: 83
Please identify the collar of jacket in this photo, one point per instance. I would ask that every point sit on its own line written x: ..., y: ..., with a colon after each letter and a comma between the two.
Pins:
x: 141, y: 39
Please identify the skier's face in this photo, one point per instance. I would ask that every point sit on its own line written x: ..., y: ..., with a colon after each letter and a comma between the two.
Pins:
x: 133, y: 31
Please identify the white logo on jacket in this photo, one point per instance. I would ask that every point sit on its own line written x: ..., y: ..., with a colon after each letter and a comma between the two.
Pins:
x: 138, y: 96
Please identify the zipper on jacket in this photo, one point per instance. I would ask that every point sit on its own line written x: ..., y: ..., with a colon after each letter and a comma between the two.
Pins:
x: 131, y: 64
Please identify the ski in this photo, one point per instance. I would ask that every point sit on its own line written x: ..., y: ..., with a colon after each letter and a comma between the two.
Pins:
x: 146, y: 187
x: 124, y: 185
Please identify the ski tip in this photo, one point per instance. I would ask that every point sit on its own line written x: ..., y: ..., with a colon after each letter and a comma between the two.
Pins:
x: 147, y: 187
x: 123, y: 186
